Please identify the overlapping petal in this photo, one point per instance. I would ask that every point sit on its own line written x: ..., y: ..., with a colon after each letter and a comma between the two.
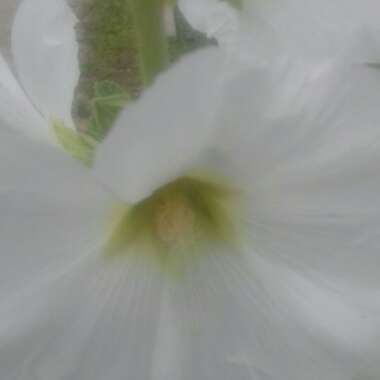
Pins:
x: 99, y: 320
x: 46, y: 55
x: 217, y: 19
x: 296, y: 29
x: 310, y: 155
x: 238, y: 322
x: 160, y: 136
x: 53, y: 213
x: 16, y: 109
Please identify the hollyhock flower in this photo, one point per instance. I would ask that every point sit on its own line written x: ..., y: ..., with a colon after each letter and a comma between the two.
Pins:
x: 206, y: 239
x: 268, y: 30
x: 226, y: 230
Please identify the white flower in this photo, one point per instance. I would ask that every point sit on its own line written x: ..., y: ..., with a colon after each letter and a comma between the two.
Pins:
x: 45, y: 53
x: 264, y: 30
x: 141, y: 269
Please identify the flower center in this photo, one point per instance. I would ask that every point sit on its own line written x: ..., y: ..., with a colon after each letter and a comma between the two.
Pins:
x: 174, y: 220
x: 178, y: 218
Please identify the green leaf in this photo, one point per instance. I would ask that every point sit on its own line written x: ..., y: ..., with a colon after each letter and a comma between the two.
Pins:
x: 79, y: 146
x: 109, y: 99
x: 120, y: 40
x: 150, y: 34
x: 107, y: 88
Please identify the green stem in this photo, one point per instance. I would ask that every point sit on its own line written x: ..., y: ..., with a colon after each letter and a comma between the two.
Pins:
x: 153, y: 46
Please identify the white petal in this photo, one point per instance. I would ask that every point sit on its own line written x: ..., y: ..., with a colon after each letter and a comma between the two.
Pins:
x: 313, y: 154
x: 52, y: 212
x: 267, y: 30
x: 99, y: 321
x: 214, y: 18
x: 260, y: 117
x: 236, y: 326
x: 16, y: 109
x: 346, y: 317
x: 160, y: 135
x: 46, y: 55
x: 312, y: 29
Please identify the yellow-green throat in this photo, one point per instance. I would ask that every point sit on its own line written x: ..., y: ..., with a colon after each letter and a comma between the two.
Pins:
x: 176, y: 222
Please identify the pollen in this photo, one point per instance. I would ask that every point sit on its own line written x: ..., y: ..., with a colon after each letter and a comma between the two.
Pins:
x: 174, y: 221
